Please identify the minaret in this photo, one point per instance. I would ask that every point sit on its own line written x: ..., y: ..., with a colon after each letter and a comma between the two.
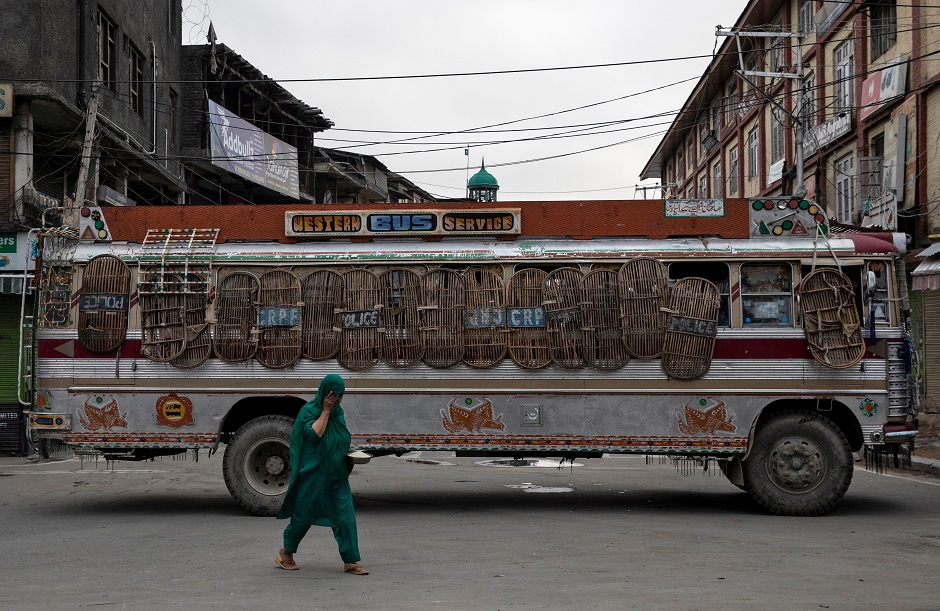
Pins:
x: 482, y: 186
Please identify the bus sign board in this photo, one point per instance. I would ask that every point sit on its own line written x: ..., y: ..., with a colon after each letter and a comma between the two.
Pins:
x: 349, y: 223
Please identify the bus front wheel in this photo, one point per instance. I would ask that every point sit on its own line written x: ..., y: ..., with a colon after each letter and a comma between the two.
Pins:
x: 256, y: 465
x: 800, y: 464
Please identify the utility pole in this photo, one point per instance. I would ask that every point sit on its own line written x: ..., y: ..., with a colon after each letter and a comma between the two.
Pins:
x: 90, y: 120
x: 797, y: 75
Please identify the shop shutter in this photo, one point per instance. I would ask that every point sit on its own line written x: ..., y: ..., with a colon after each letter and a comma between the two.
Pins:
x: 931, y: 354
x: 9, y: 346
x: 6, y: 171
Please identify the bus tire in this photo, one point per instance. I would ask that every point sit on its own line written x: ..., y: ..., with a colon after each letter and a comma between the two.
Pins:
x: 800, y: 464
x: 256, y: 465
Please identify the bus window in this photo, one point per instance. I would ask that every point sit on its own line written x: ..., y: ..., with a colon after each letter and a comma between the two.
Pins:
x: 767, y: 294
x: 716, y: 272
x: 877, y: 297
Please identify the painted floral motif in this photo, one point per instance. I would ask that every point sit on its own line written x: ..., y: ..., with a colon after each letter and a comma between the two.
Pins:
x: 868, y: 407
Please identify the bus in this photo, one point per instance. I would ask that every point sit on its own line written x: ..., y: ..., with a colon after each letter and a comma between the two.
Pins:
x: 738, y: 333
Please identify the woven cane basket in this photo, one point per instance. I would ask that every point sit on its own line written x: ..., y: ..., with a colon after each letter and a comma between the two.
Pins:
x: 561, y: 294
x: 279, y: 346
x: 442, y: 317
x: 690, y: 336
x: 644, y: 292
x: 830, y: 318
x: 103, y: 329
x: 600, y: 314
x: 529, y: 347
x: 485, y: 334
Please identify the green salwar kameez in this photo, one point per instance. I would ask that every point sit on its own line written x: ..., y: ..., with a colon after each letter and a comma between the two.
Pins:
x: 319, y: 493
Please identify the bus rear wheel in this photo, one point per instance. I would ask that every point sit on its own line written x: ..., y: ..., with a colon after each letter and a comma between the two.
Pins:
x: 256, y: 465
x: 800, y: 464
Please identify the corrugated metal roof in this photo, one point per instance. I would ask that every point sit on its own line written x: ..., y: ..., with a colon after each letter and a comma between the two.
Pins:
x: 930, y: 266
x: 933, y: 249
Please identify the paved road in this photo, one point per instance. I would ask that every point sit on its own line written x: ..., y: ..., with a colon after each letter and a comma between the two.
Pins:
x: 614, y: 533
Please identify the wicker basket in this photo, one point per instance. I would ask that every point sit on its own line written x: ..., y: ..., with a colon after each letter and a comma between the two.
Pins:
x: 323, y: 301
x: 162, y: 317
x: 485, y: 333
x: 197, y: 329
x: 831, y: 319
x: 442, y: 317
x: 644, y: 292
x: 359, y: 346
x: 236, y: 314
x: 529, y: 347
x: 400, y: 289
x: 600, y: 314
x: 102, y: 316
x: 561, y: 294
x: 693, y: 324
x: 279, y: 345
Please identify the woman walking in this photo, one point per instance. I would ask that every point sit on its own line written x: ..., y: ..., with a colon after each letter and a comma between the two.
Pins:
x: 319, y: 492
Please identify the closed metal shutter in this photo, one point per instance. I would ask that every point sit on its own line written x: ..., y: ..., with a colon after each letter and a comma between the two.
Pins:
x: 932, y: 351
x: 6, y: 171
x: 9, y: 346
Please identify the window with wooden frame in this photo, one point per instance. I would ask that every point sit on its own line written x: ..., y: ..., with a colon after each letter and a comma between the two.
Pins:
x: 884, y: 25
x: 107, y: 52
x: 733, y: 170
x: 753, y: 157
x: 136, y: 79
x: 844, y: 81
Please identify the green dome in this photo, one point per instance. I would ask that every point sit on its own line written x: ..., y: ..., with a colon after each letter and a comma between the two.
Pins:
x: 482, y: 179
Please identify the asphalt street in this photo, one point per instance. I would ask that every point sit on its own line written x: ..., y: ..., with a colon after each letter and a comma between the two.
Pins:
x: 440, y: 532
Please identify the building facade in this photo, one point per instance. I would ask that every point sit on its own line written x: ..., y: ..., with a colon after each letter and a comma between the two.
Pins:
x: 851, y: 87
x: 53, y: 55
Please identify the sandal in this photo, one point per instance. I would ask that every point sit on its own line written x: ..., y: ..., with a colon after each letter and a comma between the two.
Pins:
x: 355, y: 569
x: 287, y: 565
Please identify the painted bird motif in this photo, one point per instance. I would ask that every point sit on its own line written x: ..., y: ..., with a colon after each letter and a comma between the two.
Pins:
x: 710, y: 421
x: 472, y: 420
x: 105, y: 417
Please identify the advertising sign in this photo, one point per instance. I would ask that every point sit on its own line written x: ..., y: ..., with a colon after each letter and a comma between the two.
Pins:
x: 242, y: 149
x: 892, y: 165
x: 883, y: 85
x: 6, y: 99
x: 826, y: 133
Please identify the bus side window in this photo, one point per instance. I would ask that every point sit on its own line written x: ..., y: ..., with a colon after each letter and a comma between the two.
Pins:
x: 767, y: 294
x: 715, y: 271
x: 877, y: 298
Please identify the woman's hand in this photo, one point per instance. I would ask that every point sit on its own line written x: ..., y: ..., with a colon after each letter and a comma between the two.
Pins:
x: 328, y: 402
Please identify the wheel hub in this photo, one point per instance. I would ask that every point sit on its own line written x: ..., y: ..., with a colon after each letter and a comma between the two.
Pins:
x: 267, y: 466
x: 796, y: 464
x: 274, y: 465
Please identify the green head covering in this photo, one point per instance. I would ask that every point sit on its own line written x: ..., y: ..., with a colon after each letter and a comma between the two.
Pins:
x: 336, y: 438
